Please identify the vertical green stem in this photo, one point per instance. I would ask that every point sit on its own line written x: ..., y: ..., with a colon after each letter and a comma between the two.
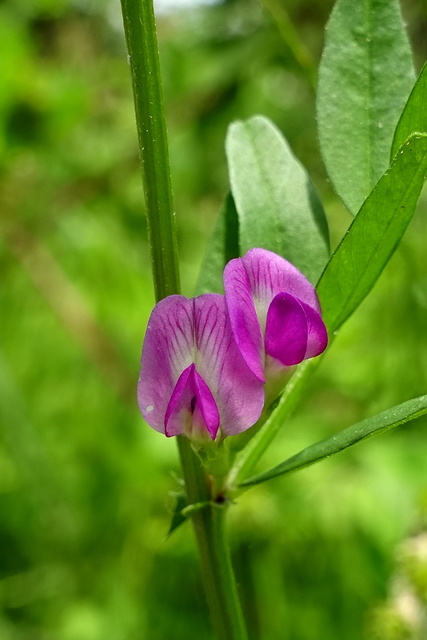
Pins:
x: 209, y: 522
x: 141, y: 39
x: 217, y: 571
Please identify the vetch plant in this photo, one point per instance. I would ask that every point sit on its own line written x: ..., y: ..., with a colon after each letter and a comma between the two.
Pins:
x: 214, y: 366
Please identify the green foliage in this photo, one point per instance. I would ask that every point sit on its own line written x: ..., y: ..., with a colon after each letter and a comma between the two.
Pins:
x: 365, y: 77
x: 384, y: 421
x: 277, y: 205
x: 223, y: 246
x: 414, y: 115
x: 374, y: 234
x: 178, y: 518
x: 272, y: 204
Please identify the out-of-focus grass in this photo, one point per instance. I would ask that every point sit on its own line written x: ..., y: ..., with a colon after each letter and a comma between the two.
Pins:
x: 84, y: 484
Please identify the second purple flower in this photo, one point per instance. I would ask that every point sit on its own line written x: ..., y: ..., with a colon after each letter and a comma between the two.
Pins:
x: 274, y: 312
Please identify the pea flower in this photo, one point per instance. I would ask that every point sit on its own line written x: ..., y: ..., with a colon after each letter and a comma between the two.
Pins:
x: 274, y: 313
x: 193, y: 378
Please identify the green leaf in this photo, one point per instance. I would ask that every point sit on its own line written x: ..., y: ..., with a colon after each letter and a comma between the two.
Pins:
x: 414, y: 116
x: 374, y: 234
x: 223, y: 246
x: 365, y: 77
x: 401, y: 414
x: 178, y: 517
x: 277, y: 205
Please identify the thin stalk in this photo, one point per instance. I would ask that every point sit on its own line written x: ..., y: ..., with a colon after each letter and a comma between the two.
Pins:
x: 209, y: 522
x: 210, y: 527
x: 141, y: 39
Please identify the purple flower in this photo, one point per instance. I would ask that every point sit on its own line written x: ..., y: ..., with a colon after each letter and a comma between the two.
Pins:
x: 274, y: 312
x: 193, y: 379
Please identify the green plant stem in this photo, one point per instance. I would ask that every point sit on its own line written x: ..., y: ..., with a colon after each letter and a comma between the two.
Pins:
x: 208, y: 522
x: 217, y: 571
x: 141, y: 39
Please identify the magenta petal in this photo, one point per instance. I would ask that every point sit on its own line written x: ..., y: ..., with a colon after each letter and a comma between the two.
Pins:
x: 294, y: 331
x: 168, y: 350
x: 317, y: 340
x: 269, y: 274
x: 192, y: 409
x: 239, y: 395
x: 286, y: 331
x: 243, y: 316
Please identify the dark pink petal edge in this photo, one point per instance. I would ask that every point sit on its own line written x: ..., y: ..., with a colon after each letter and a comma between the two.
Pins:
x: 294, y: 331
x: 192, y: 408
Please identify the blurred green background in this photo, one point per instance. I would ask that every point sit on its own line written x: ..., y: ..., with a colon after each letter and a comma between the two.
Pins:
x: 337, y: 551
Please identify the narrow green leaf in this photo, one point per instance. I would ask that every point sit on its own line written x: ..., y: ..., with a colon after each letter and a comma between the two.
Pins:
x: 178, y: 517
x: 277, y: 205
x: 223, y: 246
x: 401, y: 414
x: 414, y: 116
x: 365, y: 77
x: 374, y: 234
